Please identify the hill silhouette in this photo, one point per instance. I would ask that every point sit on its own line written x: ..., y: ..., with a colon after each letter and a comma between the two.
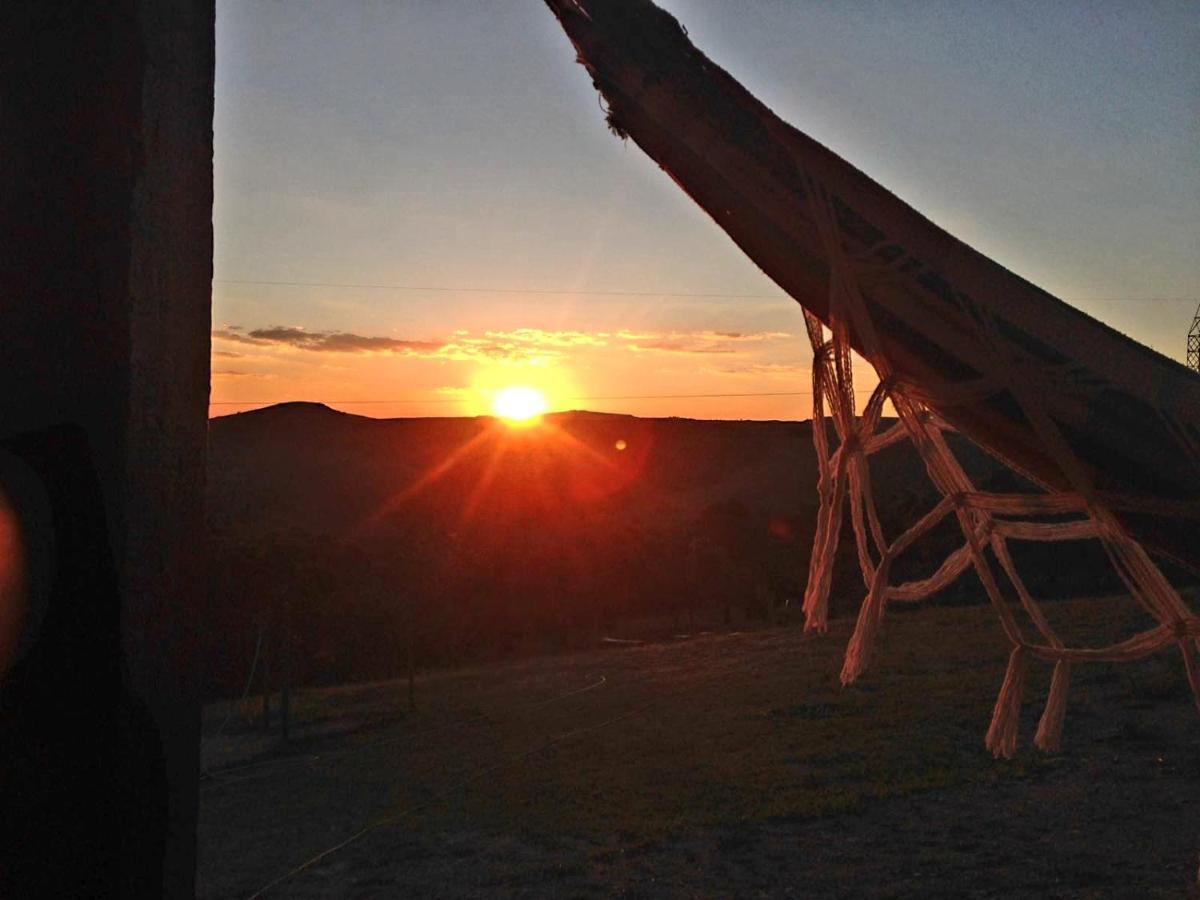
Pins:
x: 364, y: 544
x: 305, y: 466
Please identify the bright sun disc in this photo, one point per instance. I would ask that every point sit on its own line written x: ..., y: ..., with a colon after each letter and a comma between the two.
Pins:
x: 519, y: 404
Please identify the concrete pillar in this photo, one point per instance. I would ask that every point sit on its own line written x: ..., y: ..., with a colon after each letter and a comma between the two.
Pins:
x: 105, y: 280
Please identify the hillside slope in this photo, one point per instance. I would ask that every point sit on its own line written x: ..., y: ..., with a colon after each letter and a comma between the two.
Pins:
x: 471, y: 538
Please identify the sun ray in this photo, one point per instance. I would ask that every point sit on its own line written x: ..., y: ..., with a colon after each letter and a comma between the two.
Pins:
x: 574, y: 443
x: 428, y: 477
x: 479, y: 491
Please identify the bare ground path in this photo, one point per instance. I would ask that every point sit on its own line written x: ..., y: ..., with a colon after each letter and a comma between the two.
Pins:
x: 724, y: 765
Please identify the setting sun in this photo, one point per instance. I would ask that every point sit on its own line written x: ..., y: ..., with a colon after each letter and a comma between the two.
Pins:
x: 519, y: 404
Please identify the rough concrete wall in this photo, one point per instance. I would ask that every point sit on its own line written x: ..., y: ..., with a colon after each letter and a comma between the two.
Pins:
x: 105, y: 277
x: 170, y: 284
x: 67, y: 147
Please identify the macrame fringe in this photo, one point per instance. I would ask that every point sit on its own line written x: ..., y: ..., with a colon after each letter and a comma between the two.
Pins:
x: 1002, y: 734
x: 1049, y: 731
x: 983, y: 517
x: 862, y: 642
x: 820, y: 573
x: 816, y: 594
x: 1186, y: 647
x: 816, y: 613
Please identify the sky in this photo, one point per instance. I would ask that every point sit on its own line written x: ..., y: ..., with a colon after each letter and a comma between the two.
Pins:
x: 418, y: 203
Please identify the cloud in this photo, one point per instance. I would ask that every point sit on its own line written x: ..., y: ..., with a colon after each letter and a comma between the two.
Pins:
x: 464, y: 347
x: 698, y: 342
x: 533, y: 346
x: 236, y: 334
x: 323, y: 341
x: 339, y: 341
x: 751, y: 337
x: 525, y: 345
x: 671, y: 346
x: 551, y: 338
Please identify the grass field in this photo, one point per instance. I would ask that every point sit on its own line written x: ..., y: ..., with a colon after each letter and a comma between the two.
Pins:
x: 721, y: 765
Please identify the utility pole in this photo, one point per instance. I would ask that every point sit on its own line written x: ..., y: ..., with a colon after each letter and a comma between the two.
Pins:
x: 286, y: 639
x: 1193, y: 343
x: 268, y: 649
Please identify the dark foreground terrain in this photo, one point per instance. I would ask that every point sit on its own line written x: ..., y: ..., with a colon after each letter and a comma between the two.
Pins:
x: 719, y: 765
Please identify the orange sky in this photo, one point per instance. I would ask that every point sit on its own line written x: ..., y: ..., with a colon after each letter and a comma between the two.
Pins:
x: 417, y: 204
x: 763, y: 374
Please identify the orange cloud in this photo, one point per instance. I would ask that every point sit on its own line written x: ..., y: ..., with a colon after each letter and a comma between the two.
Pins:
x: 322, y: 341
x: 521, y: 345
x: 700, y: 342
x: 551, y: 338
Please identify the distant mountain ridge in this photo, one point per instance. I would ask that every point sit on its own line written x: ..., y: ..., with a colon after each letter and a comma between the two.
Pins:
x: 309, y: 467
x: 486, y: 539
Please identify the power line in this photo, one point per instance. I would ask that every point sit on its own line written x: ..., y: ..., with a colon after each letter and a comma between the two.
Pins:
x: 326, y: 402
x: 598, y: 293
x: 1193, y: 342
x: 496, y: 290
x: 703, y: 396
x: 570, y: 399
x: 1133, y: 300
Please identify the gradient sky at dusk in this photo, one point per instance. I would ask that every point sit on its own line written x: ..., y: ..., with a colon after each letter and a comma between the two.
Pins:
x: 458, y: 145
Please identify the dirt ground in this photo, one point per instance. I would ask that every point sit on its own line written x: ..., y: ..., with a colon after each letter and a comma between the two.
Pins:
x: 720, y: 765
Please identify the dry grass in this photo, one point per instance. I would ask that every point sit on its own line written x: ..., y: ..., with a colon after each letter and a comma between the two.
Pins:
x: 723, y: 765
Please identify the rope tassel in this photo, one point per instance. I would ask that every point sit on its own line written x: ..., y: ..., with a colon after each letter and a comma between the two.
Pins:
x: 1190, y: 668
x: 1002, y: 734
x: 985, y: 518
x: 862, y: 642
x: 1049, y: 732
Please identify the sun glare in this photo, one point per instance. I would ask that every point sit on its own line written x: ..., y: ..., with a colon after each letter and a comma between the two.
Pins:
x: 519, y: 405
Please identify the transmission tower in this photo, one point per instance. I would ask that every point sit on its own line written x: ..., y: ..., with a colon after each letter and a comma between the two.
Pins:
x: 1193, y: 347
